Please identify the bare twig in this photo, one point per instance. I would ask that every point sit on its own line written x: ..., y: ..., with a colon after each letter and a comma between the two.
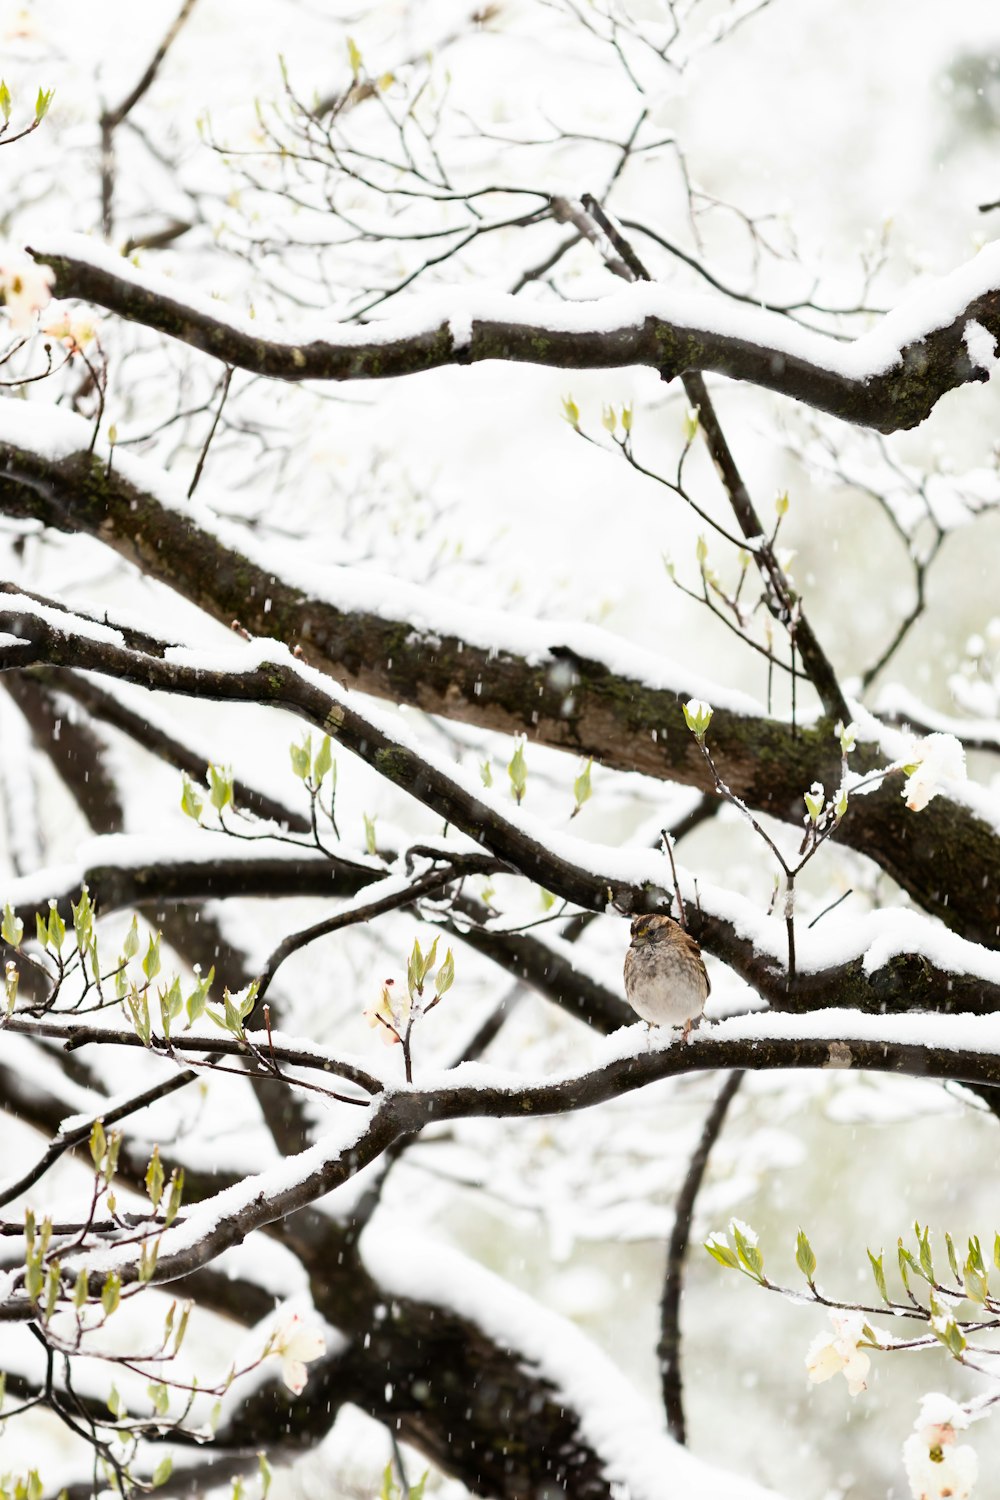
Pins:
x: 669, y: 1347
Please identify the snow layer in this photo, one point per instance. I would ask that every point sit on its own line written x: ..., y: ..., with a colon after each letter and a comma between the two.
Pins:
x: 615, y: 1417
x: 934, y: 304
x: 55, y: 434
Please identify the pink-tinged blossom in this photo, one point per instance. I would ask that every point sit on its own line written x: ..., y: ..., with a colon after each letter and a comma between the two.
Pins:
x: 937, y: 1467
x: 73, y: 329
x: 296, y: 1345
x: 839, y: 1353
x: 936, y: 760
x: 24, y: 289
x: 390, y: 1012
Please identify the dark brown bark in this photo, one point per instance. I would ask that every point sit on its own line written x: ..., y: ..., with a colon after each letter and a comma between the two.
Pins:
x: 565, y: 699
x: 901, y: 397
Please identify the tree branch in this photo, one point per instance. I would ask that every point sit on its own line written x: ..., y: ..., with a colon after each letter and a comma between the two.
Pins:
x: 890, y: 379
x: 669, y: 1347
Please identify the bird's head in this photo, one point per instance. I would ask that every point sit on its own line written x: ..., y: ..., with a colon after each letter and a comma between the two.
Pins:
x: 645, y: 928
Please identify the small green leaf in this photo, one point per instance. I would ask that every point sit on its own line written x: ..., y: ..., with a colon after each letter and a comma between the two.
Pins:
x: 815, y: 801
x: 926, y: 1259
x: 191, y: 803
x: 571, y: 412
x: 486, y: 773
x: 781, y: 503
x: 5, y: 104
x: 301, y: 757
x: 581, y: 788
x: 748, y: 1253
x: 977, y: 1285
x: 80, y: 1290
x: 111, y: 1293
x: 131, y: 945
x: 42, y: 103
x: 111, y: 1160
x: 952, y: 1257
x: 518, y: 773
x: 697, y: 717
x: 354, y: 56
x: 804, y: 1257
x: 323, y: 761
x: 114, y: 1403
x: 721, y: 1252
x: 149, y: 1253
x: 950, y: 1335
x: 220, y: 786
x: 265, y: 1474
x: 174, y: 1194
x: 162, y: 1471
x: 198, y: 998
x: 98, y: 1143
x: 847, y: 734
x: 83, y: 919
x: 171, y: 1005
x: 906, y: 1263
x: 691, y: 423
x: 370, y: 844
x: 879, y: 1274
x: 446, y: 974
x: 154, y: 1178
x: 159, y: 1397
x: 53, y: 1286
x: 56, y: 928
x: 34, y: 1279
x: 151, y: 963
x: 12, y: 928
x: 182, y: 1326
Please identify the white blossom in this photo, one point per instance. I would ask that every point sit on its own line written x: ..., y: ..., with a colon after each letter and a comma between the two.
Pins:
x: 296, y: 1345
x: 391, y: 1012
x: 74, y: 329
x: 936, y: 1466
x: 24, y: 289
x: 937, y: 759
x: 839, y: 1354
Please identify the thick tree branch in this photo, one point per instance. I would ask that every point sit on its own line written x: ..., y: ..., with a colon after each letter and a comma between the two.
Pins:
x: 961, y: 1049
x: 939, y: 854
x: 890, y: 379
x: 574, y: 691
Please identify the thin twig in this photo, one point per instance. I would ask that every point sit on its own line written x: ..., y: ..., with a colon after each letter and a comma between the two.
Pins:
x: 226, y: 382
x: 669, y: 1348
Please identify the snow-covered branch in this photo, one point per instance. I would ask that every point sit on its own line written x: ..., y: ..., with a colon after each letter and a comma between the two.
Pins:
x: 888, y: 379
x: 575, y: 688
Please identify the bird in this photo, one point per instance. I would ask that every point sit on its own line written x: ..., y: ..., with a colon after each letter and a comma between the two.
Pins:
x: 665, y: 978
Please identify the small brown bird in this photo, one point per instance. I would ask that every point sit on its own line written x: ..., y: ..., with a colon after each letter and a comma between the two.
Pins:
x: 665, y: 978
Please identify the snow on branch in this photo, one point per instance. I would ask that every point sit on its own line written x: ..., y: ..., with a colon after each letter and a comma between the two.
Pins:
x: 574, y: 688
x: 888, y: 379
x: 963, y: 1049
x: 266, y: 672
